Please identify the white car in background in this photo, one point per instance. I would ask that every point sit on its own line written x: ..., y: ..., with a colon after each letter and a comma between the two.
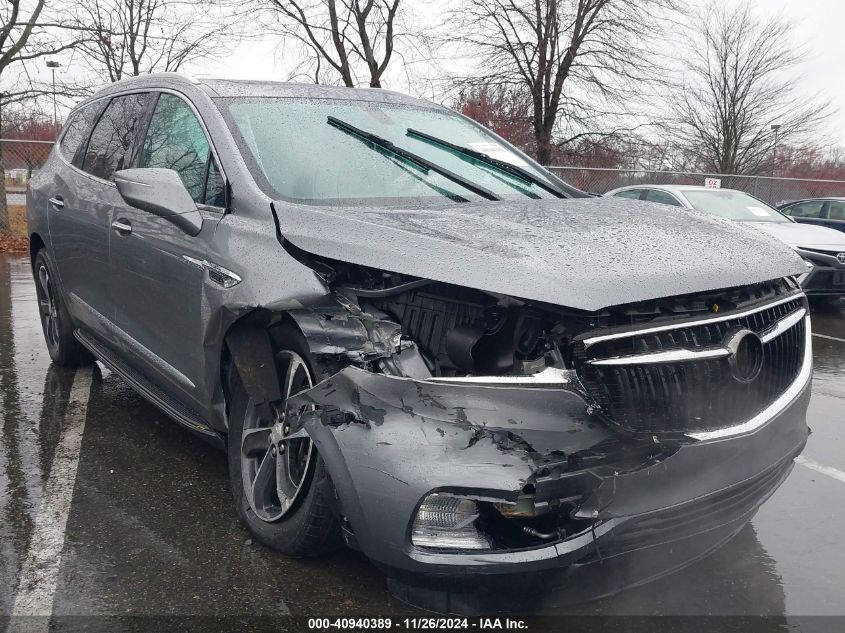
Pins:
x: 822, y: 248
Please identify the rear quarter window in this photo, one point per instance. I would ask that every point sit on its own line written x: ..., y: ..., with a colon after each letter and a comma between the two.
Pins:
x: 77, y: 129
x: 632, y: 194
x: 810, y: 209
x: 655, y: 195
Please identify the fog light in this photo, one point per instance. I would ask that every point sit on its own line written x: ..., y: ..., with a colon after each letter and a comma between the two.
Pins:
x: 447, y: 522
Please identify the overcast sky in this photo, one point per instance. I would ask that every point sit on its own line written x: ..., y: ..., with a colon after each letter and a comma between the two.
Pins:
x: 818, y: 23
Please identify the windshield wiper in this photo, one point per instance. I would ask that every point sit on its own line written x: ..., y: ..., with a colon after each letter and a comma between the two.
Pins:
x: 383, y: 143
x: 501, y: 165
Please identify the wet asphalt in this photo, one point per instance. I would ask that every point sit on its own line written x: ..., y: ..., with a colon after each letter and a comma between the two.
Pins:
x: 150, y: 529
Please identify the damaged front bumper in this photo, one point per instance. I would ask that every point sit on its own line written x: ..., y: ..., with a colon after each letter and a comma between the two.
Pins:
x: 388, y: 442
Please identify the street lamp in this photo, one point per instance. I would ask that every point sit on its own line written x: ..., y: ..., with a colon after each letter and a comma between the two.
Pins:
x: 775, y: 128
x: 52, y: 65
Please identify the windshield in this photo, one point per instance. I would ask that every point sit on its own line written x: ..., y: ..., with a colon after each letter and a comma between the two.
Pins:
x: 733, y: 204
x: 295, y: 153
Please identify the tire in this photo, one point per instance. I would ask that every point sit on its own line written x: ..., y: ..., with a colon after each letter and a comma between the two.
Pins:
x: 56, y: 323
x: 305, y: 525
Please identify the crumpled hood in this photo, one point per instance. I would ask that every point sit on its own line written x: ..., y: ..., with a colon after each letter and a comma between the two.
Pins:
x: 585, y: 253
x: 804, y: 235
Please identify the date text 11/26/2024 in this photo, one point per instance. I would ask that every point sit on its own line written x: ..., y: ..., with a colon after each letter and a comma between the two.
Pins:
x: 417, y: 624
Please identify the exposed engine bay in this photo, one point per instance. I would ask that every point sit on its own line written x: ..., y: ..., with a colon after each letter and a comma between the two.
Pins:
x: 461, y: 331
x: 469, y: 428
x: 446, y: 348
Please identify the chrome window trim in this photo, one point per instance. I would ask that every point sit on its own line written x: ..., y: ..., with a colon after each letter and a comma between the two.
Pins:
x: 149, y: 89
x: 776, y: 407
x: 683, y: 324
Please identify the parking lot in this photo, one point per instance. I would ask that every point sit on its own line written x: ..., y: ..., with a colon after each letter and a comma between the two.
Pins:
x: 109, y: 509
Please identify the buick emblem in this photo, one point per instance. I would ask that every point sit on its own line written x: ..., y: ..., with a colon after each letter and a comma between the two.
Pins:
x: 745, y: 354
x: 840, y: 257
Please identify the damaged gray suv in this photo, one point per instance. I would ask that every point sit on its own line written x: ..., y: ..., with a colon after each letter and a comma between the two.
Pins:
x: 411, y: 338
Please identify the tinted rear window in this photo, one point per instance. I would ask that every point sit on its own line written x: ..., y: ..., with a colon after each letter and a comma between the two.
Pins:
x: 108, y: 148
x: 633, y: 194
x: 77, y: 129
x: 655, y: 195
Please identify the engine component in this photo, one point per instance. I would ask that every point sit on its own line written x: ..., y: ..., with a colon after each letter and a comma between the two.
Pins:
x: 464, y: 331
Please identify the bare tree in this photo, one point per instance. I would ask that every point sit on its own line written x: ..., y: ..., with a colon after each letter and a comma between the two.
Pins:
x: 353, y: 39
x: 735, y: 99
x: 577, y: 58
x: 27, y: 34
x: 503, y: 109
x: 125, y: 38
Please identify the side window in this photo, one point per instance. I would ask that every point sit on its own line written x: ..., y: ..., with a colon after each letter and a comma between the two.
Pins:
x: 77, y: 130
x: 805, y: 209
x: 72, y: 137
x: 215, y: 194
x: 113, y: 135
x: 633, y: 194
x: 655, y: 195
x: 176, y: 140
x: 836, y: 210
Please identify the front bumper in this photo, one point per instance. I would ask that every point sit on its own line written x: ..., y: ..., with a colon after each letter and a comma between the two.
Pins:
x: 390, y: 441
x: 827, y: 277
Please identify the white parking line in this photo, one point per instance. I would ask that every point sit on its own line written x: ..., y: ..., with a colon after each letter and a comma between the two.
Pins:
x: 829, y: 338
x: 812, y: 464
x: 40, y: 571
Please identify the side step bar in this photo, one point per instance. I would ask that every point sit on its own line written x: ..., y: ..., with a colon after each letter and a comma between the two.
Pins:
x: 154, y: 394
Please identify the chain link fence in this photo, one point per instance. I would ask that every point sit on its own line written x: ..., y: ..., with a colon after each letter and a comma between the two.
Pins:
x: 774, y: 191
x: 19, y: 160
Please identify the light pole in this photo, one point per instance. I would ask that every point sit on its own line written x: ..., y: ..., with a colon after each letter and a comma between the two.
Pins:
x: 775, y: 128
x: 52, y: 65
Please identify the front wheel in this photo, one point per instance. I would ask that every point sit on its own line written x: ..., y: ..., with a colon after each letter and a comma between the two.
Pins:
x: 280, y: 485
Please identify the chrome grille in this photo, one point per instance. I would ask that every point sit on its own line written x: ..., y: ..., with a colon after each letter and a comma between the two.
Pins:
x: 698, y: 393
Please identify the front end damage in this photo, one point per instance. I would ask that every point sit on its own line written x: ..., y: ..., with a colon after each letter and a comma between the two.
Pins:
x: 465, y: 435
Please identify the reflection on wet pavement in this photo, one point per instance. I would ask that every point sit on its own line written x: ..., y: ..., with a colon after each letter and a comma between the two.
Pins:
x: 151, y: 531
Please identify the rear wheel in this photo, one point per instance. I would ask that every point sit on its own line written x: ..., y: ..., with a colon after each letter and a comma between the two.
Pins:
x: 56, y: 324
x: 280, y: 485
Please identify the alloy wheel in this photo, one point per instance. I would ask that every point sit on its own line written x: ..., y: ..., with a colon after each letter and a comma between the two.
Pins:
x: 47, y: 307
x: 275, y: 466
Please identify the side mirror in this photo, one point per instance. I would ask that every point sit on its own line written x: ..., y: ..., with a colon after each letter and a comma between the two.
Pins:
x: 162, y: 193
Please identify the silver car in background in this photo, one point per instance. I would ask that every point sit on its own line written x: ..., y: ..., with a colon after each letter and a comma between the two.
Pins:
x: 822, y: 248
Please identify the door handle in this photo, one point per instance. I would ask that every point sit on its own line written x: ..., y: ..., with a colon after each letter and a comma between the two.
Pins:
x: 57, y: 202
x: 122, y: 226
